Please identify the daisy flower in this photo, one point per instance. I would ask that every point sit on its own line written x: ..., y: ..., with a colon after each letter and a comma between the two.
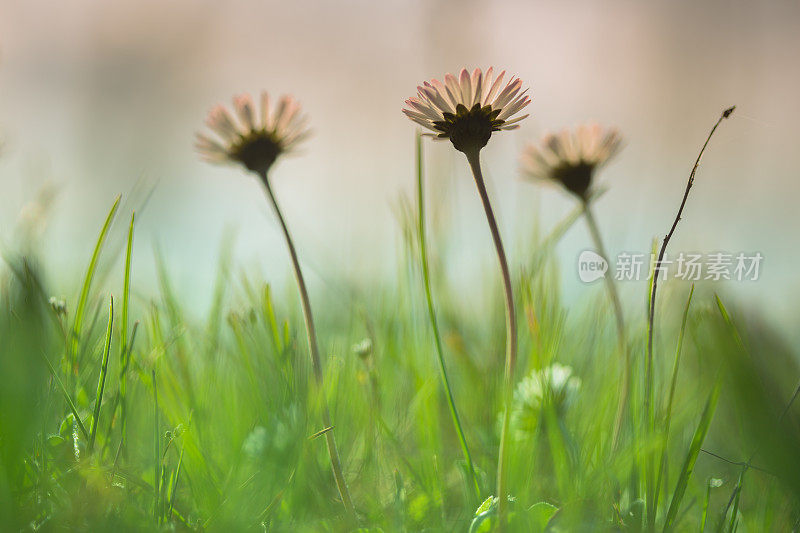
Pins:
x: 253, y: 139
x: 571, y: 157
x: 468, y: 109
x: 256, y: 140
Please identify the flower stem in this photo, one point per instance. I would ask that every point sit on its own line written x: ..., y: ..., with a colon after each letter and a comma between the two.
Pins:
x: 511, y: 334
x: 316, y: 363
x: 620, y: 321
x: 435, y: 325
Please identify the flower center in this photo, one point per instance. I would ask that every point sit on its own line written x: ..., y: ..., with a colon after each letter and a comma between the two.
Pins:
x: 575, y: 177
x: 257, y: 151
x: 469, y: 129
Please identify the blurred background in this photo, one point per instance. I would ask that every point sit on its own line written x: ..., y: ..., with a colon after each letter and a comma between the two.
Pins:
x: 100, y: 98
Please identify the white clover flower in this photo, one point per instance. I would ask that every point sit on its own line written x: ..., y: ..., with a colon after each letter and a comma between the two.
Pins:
x: 256, y: 442
x: 58, y: 305
x: 363, y: 349
x: 255, y: 140
x: 571, y: 157
x: 554, y: 386
x: 469, y: 108
x: 555, y: 383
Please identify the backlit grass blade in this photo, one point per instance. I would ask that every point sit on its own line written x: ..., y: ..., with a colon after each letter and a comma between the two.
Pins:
x: 101, y: 384
x: 670, y: 399
x: 435, y: 325
x: 727, y: 317
x: 704, y: 515
x: 269, y: 314
x: 545, y: 248
x: 647, y: 427
x: 124, y: 351
x: 177, y: 474
x: 80, y: 310
x: 126, y: 291
x: 735, y: 511
x: 215, y: 318
x: 691, y: 456
x: 156, y: 453
x: 65, y: 393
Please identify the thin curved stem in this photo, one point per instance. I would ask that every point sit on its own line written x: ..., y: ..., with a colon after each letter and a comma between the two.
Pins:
x: 648, y: 369
x: 511, y: 334
x: 620, y: 321
x: 426, y: 278
x: 313, y: 349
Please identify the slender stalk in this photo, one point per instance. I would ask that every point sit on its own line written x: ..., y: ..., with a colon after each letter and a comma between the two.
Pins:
x: 622, y: 346
x: 316, y: 363
x: 423, y: 250
x: 648, y: 373
x: 511, y: 334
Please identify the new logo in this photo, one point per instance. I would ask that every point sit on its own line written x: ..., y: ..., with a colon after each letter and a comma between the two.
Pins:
x: 591, y: 266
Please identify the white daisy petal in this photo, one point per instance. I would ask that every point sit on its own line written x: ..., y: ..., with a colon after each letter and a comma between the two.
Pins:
x: 244, y: 108
x: 265, y: 108
x: 514, y: 121
x: 423, y: 108
x: 435, y: 98
x: 421, y: 116
x: 442, y: 90
x: 507, y: 94
x: 466, y: 88
x: 421, y: 121
x: 210, y: 149
x: 453, y: 89
x: 221, y: 122
x: 290, y: 113
x: 477, y: 80
x: 514, y: 107
x: 488, y: 78
x: 493, y: 89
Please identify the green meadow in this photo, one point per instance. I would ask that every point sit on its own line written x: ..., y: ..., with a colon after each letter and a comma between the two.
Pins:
x: 122, y: 413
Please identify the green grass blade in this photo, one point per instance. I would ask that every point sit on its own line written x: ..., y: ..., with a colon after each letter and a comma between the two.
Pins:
x: 672, y: 385
x: 177, y: 474
x: 156, y: 454
x: 691, y: 456
x: 735, y: 511
x: 126, y: 291
x: 434, y: 323
x: 80, y: 310
x: 648, y: 410
x: 546, y: 246
x: 101, y: 384
x: 269, y: 313
x: 704, y: 515
x: 123, y: 344
x: 69, y: 401
x: 215, y: 318
x: 727, y: 317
